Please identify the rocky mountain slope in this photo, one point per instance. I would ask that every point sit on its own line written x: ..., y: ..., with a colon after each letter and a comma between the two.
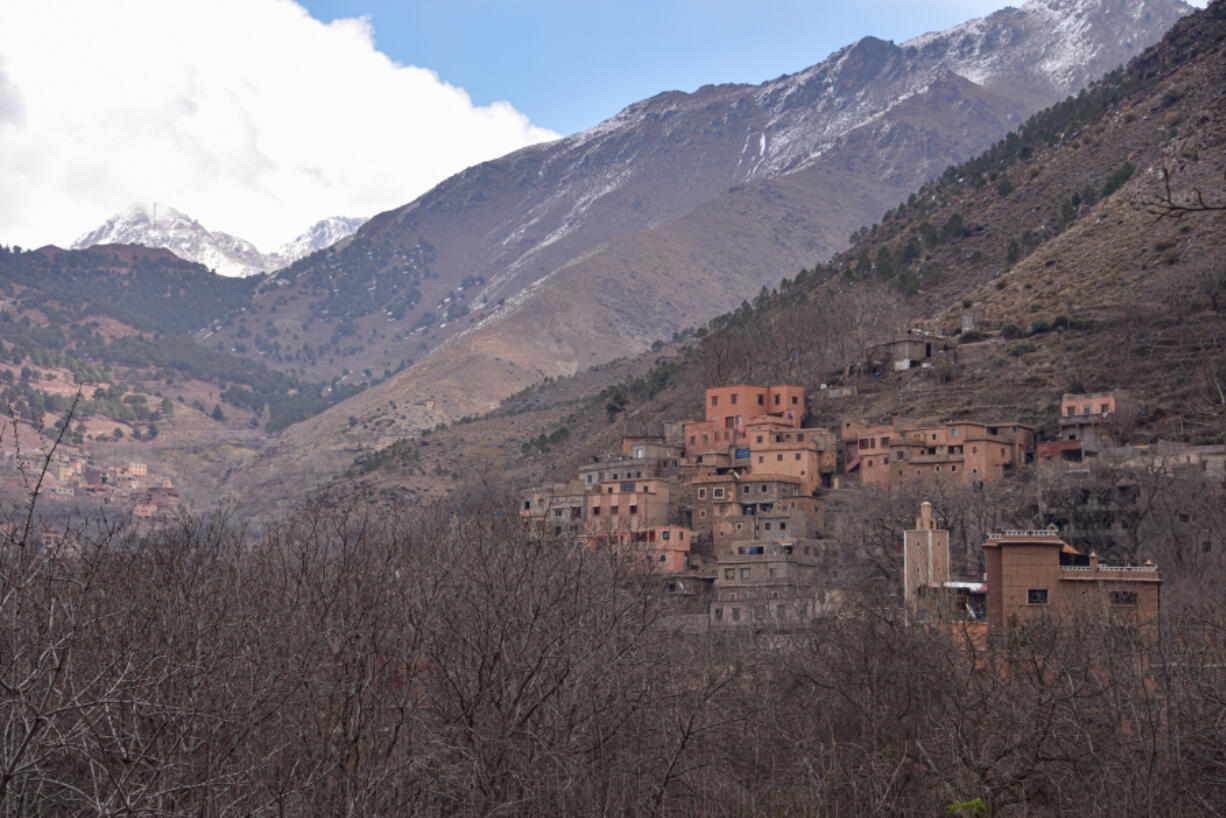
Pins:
x: 1060, y: 242
x: 850, y: 135
x: 227, y: 255
x: 726, y: 232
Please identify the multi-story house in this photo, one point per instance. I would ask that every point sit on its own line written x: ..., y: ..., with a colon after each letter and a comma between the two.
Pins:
x: 1036, y: 573
x: 966, y: 451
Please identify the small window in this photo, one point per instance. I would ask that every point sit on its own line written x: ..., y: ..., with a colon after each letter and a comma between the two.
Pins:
x: 719, y: 614
x: 779, y: 458
x: 634, y: 509
x: 736, y: 614
x: 715, y: 400
x: 798, y: 455
x: 759, y: 438
x: 729, y: 573
x: 783, y: 526
x: 595, y: 511
x: 613, y: 509
x: 776, y: 400
x: 761, y: 459
x: 1036, y: 596
x: 718, y: 493
x: 1123, y: 597
x: 626, y: 488
x: 760, y: 401
x: 732, y: 400
x: 702, y: 494
x: 661, y: 558
x: 795, y: 400
x: 744, y: 573
x: 666, y: 535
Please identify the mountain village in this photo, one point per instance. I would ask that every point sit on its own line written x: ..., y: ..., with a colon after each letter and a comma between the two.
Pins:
x: 730, y: 511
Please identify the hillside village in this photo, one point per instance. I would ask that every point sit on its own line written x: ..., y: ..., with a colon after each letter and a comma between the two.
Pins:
x: 62, y: 475
x: 731, y: 510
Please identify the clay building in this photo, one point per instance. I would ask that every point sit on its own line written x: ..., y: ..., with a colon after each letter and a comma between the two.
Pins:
x: 767, y: 583
x: 1089, y: 418
x: 966, y: 451
x: 1031, y: 574
x: 925, y: 563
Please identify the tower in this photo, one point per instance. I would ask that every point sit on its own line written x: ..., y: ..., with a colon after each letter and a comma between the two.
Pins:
x: 925, y: 562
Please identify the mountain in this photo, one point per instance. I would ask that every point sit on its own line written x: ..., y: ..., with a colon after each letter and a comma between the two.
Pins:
x: 228, y: 255
x: 561, y: 256
x: 324, y: 233
x: 1053, y: 242
x: 674, y: 209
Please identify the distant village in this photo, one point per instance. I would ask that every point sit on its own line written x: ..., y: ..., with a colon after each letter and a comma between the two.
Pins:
x: 130, y: 487
x: 729, y: 510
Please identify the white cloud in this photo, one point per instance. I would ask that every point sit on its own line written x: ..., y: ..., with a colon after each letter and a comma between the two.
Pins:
x: 249, y: 115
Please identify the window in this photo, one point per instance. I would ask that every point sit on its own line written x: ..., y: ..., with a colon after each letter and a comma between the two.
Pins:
x: 767, y: 526
x: 870, y: 464
x: 729, y: 573
x: 953, y: 432
x: 764, y: 488
x: 800, y: 438
x: 1103, y: 409
x: 557, y: 512
x: 715, y: 400
x: 610, y: 490
x: 527, y: 505
x: 759, y: 438
x: 634, y: 509
x: 736, y: 614
x: 702, y: 494
x: 1036, y: 596
x: 732, y: 400
x: 760, y: 401
x: 613, y: 509
x: 783, y: 526
x: 779, y: 458
x: 718, y: 493
x: 1123, y: 597
x: 798, y: 455
x: 738, y: 420
x: 661, y: 558
x: 795, y: 400
x: 744, y: 573
x: 776, y: 400
x: 761, y: 459
x: 704, y: 438
x: 719, y: 614
x: 885, y: 442
x: 595, y: 511
x: 627, y: 488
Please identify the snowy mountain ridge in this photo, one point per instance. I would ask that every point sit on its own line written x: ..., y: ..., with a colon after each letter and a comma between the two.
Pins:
x: 227, y: 255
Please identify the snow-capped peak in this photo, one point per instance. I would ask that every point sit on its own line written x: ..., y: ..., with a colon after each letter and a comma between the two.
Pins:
x: 168, y: 228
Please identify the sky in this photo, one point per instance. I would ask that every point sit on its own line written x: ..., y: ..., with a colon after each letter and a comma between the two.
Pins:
x: 259, y: 117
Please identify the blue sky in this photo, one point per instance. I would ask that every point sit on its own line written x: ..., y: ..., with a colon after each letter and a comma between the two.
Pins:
x: 568, y: 65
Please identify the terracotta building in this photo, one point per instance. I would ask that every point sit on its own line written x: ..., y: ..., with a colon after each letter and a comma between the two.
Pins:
x: 1034, y: 573
x: 1089, y: 418
x: 925, y: 562
x: 766, y: 583
x: 967, y: 452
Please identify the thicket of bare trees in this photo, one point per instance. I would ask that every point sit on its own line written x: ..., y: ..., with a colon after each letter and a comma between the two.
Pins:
x: 351, y: 663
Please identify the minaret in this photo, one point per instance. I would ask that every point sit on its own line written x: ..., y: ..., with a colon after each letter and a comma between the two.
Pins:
x: 925, y: 561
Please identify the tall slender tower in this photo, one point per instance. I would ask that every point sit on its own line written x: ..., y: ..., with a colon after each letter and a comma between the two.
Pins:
x: 925, y: 563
